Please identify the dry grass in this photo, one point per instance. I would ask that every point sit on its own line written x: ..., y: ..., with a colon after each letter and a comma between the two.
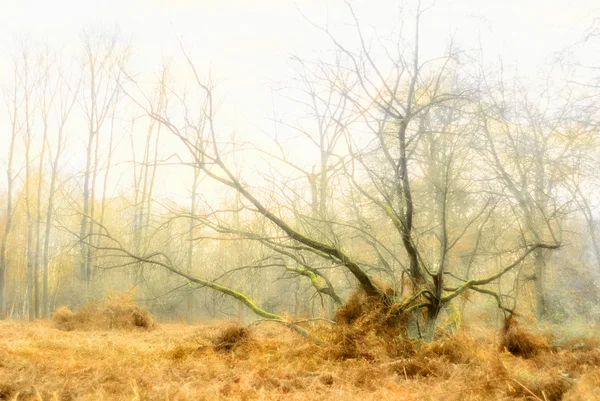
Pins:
x: 520, y: 342
x: 586, y: 389
x: 117, y: 311
x: 366, y: 329
x: 231, y: 338
x: 221, y: 361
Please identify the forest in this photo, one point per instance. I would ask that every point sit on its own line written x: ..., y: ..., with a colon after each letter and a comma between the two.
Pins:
x: 414, y: 220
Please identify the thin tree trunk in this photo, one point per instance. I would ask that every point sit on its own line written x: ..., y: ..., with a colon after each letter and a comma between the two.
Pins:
x: 152, y: 179
x: 38, y: 229
x: 65, y: 110
x: 540, y: 287
x: 92, y: 132
x: 136, y: 195
x: 91, y: 237
x: 9, y: 208
x: 49, y: 211
x: 84, y: 218
x: 141, y: 206
x: 30, y: 231
x: 190, y: 249
x: 108, y: 165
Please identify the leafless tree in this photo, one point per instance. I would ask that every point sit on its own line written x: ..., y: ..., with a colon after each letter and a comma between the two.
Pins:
x: 66, y: 91
x: 104, y: 58
x: 13, y: 104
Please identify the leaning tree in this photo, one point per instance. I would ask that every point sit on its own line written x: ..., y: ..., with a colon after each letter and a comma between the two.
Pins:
x: 397, y: 200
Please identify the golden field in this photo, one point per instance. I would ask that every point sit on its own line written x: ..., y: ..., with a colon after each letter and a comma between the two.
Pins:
x: 115, y: 350
x: 221, y: 360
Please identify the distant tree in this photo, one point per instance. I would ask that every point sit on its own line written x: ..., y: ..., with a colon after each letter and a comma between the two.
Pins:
x: 13, y: 104
x: 66, y: 92
x: 104, y: 57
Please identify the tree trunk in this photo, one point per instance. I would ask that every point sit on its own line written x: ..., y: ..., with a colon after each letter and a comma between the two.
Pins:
x: 83, y: 269
x: 190, y: 247
x: 540, y: 285
x: 27, y: 139
x: 9, y: 211
x: 38, y: 229
x: 431, y: 325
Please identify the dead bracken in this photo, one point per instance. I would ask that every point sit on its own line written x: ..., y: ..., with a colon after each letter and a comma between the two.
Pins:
x: 220, y: 360
x: 120, y: 364
x: 118, y: 311
x: 231, y: 337
x: 520, y: 342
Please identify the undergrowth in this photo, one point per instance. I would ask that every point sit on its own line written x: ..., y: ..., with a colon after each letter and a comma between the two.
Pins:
x: 363, y: 356
x: 117, y: 311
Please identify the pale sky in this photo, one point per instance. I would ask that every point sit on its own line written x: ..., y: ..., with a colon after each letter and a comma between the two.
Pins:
x: 246, y: 44
x: 248, y: 41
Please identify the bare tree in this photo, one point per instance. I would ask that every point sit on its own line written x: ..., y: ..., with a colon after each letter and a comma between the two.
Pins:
x: 527, y: 153
x: 46, y: 95
x: 13, y: 104
x: 104, y: 59
x: 29, y: 81
x: 67, y: 93
x: 397, y: 108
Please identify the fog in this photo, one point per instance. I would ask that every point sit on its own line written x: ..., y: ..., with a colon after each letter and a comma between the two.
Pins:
x: 267, y: 159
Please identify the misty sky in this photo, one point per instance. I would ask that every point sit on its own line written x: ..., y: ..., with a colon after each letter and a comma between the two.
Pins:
x: 246, y: 44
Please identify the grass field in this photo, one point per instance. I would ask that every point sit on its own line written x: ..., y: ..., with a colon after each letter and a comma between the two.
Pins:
x: 179, y: 362
x: 218, y: 360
